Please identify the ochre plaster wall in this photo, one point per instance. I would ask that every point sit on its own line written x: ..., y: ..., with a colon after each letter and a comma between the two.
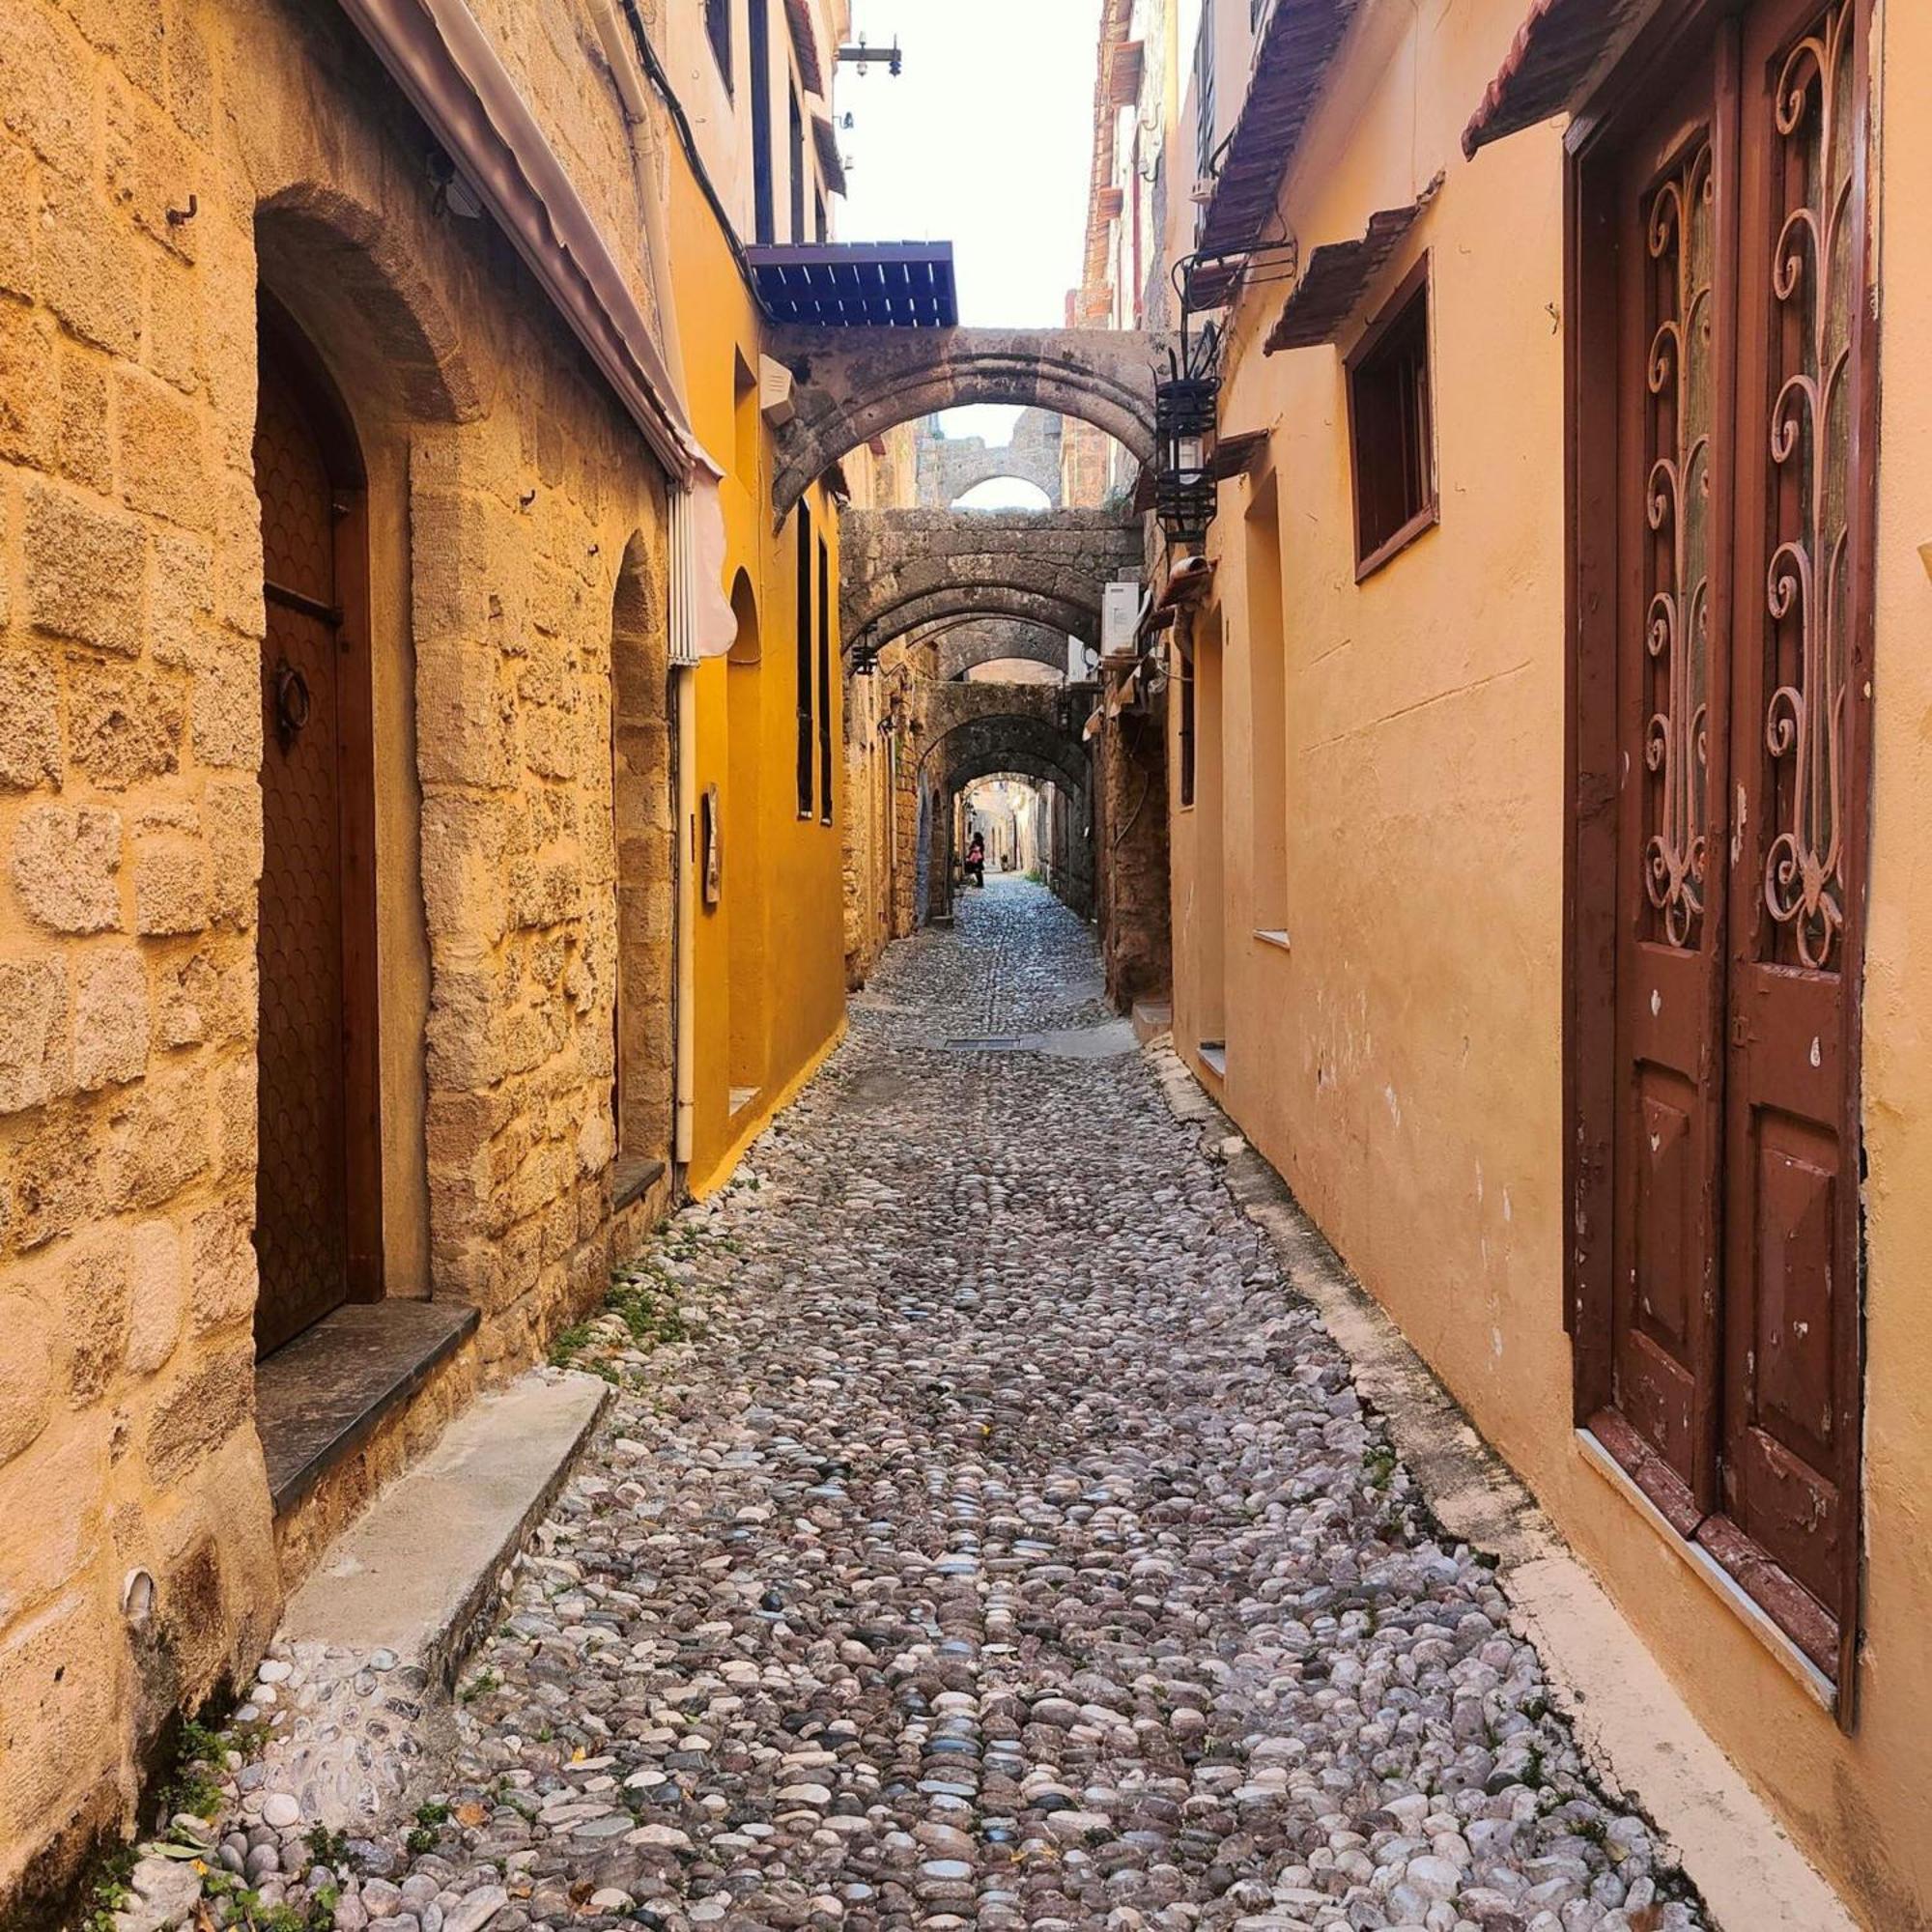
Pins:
x: 792, y: 886
x: 1401, y: 1062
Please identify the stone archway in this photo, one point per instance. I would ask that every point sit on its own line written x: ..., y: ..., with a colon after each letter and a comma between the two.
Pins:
x: 901, y: 569
x: 966, y: 644
x: 855, y: 383
x: 949, y: 467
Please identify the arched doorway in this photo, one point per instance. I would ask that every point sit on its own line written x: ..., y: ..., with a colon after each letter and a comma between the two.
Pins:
x: 317, y: 1216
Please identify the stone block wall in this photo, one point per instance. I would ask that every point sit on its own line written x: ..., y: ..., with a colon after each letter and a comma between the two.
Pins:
x: 161, y: 162
x: 1132, y: 900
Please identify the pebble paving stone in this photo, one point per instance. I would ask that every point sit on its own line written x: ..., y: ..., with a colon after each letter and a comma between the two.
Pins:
x: 985, y: 1535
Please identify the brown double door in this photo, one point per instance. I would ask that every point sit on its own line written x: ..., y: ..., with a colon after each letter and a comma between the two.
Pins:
x: 1742, y: 692
x: 315, y: 1182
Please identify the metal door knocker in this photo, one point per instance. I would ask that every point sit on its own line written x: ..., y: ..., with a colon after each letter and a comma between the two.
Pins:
x: 291, y: 702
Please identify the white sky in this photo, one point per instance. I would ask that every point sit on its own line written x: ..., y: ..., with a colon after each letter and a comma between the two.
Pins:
x: 983, y: 141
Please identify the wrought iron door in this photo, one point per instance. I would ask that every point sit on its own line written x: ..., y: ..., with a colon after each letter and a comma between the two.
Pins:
x: 309, y: 940
x: 1743, y: 687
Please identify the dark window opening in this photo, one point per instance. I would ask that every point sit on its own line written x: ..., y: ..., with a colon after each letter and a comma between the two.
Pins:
x: 1391, y: 428
x: 820, y: 227
x: 718, y: 29
x: 761, y: 123
x: 825, y: 773
x: 803, y: 638
x: 797, y: 158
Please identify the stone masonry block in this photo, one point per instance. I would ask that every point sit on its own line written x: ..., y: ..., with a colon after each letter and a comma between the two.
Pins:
x: 157, y: 1296
x: 465, y: 714
x: 221, y: 1271
x: 47, y: 103
x: 20, y: 218
x: 84, y: 569
x: 88, y: 272
x: 33, y: 1033
x: 64, y: 862
x: 199, y: 1411
x: 56, y: 1183
x: 463, y: 842
x: 124, y: 728
x: 95, y: 1292
x: 29, y: 1378
x: 231, y: 813
x: 227, y: 704
x: 180, y: 604
x: 30, y: 741
x: 147, y: 161
x: 84, y: 447
x: 171, y: 884
x: 29, y: 400
x: 111, y: 1042
x: 162, y: 470
x: 57, y: 1687
x: 50, y: 1502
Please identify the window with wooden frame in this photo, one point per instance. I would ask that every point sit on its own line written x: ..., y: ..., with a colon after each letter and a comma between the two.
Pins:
x: 1392, y: 427
x: 807, y: 737
x: 1722, y: 400
x: 718, y: 31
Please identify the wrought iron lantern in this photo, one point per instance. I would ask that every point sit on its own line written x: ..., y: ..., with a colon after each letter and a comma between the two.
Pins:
x: 1184, y: 480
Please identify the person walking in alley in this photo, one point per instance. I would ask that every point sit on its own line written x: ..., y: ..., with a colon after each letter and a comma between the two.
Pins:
x: 976, y: 859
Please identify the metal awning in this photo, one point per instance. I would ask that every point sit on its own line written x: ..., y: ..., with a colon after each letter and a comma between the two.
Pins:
x: 1558, y: 53
x: 858, y: 284
x: 1338, y: 275
x: 1298, y: 41
x: 831, y: 162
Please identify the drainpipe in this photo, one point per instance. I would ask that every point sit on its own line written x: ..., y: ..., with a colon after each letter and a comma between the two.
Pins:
x: 621, y: 51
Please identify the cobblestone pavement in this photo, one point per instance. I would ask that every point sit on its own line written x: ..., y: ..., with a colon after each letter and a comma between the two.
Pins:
x: 984, y: 1535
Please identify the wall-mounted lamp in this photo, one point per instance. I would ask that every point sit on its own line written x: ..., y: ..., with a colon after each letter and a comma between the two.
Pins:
x: 1184, y: 480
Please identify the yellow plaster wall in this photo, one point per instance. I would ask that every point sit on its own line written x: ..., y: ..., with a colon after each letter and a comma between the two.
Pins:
x: 791, y: 885
x: 1401, y: 1064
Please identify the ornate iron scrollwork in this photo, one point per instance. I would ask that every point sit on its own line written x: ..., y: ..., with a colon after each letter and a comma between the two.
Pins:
x: 1814, y: 275
x: 1677, y: 505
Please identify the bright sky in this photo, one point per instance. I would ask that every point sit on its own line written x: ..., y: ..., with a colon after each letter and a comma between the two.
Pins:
x: 983, y: 141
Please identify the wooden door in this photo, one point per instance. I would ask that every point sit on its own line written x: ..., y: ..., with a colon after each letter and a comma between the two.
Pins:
x: 316, y: 1175
x: 1800, y: 772
x: 1719, y: 1357
x: 1673, y: 594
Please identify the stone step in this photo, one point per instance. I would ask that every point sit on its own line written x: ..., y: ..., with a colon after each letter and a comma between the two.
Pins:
x: 419, y: 1573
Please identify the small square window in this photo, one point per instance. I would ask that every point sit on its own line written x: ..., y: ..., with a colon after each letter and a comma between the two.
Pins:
x: 718, y: 25
x: 1391, y: 428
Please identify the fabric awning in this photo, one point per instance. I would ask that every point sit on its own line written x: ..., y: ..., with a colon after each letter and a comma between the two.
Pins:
x: 1298, y: 41
x: 1339, y: 275
x: 1556, y: 56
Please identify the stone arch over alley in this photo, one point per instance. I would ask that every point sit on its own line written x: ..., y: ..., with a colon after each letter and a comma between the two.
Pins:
x: 854, y: 385
x: 902, y: 568
x: 953, y: 467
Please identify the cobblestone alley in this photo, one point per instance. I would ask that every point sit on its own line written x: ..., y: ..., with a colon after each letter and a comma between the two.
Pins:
x: 1004, y: 1544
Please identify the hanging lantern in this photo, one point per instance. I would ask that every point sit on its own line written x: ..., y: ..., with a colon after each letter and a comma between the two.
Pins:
x: 1183, y: 481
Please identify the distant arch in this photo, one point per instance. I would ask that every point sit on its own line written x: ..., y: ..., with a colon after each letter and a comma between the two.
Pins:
x: 854, y: 385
